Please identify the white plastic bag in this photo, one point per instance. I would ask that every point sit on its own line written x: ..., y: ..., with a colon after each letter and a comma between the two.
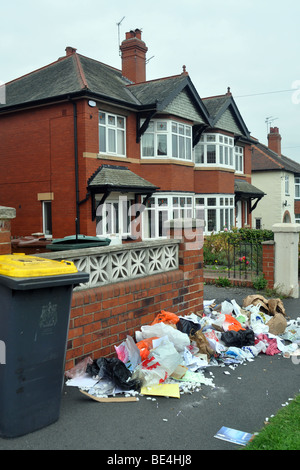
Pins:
x: 129, y: 353
x: 226, y: 308
x: 179, y: 339
x: 160, y: 364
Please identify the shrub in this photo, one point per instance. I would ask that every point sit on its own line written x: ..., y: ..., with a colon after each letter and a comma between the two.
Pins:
x: 260, y: 283
x: 223, y: 282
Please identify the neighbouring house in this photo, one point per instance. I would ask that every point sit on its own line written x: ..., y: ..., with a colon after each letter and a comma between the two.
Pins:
x: 85, y: 148
x: 279, y: 178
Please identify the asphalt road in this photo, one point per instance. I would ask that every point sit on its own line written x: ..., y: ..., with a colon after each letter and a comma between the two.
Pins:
x: 242, y: 400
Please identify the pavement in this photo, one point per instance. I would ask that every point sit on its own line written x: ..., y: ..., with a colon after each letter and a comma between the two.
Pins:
x: 243, y: 400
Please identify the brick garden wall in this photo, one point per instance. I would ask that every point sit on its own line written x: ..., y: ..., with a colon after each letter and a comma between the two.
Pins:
x: 102, y: 317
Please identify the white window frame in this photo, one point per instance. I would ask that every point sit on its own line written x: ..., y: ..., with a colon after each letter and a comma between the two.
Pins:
x: 215, y: 150
x: 47, y: 218
x: 297, y: 187
x: 113, y: 217
x: 112, y: 134
x: 218, y: 211
x: 162, y: 207
x: 167, y: 138
x: 239, y: 159
x: 287, y: 185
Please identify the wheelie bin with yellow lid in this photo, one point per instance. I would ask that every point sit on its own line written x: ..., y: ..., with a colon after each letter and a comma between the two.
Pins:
x: 35, y: 305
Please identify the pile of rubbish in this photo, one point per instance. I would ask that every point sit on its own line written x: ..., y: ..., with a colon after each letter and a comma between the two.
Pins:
x: 170, y: 356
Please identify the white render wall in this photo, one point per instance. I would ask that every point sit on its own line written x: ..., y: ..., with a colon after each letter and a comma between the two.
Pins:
x: 286, y: 237
x: 270, y: 208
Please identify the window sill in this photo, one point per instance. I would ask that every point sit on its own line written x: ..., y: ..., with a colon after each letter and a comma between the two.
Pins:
x: 102, y: 156
x: 166, y: 160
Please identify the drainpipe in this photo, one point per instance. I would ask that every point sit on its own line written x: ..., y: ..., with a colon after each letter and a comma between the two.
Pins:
x: 77, y: 220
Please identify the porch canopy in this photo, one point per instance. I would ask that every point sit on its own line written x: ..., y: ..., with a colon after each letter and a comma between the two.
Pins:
x: 246, y: 191
x: 112, y: 178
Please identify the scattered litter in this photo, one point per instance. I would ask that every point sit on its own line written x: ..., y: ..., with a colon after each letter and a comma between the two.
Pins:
x: 165, y: 390
x: 109, y: 399
x: 234, y: 436
x: 173, y: 356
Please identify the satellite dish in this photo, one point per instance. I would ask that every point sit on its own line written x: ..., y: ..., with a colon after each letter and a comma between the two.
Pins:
x: 92, y: 103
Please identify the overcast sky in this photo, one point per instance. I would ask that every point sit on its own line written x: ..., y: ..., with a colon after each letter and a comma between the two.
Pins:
x: 251, y: 46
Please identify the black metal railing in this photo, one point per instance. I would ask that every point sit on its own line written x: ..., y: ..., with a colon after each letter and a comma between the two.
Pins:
x: 244, y: 259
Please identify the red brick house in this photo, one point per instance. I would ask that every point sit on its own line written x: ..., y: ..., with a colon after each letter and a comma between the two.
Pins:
x: 77, y: 136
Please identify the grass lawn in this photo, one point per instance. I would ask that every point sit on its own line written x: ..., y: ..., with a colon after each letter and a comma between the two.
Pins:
x: 282, y: 431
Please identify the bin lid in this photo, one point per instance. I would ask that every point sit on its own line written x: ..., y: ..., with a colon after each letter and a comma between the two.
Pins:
x: 21, y: 265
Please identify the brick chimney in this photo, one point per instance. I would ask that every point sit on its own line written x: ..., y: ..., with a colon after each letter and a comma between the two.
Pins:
x: 134, y: 57
x: 274, y: 140
x: 70, y: 50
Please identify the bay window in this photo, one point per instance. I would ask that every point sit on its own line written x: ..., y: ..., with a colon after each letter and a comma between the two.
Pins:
x: 219, y: 150
x: 218, y: 211
x: 167, y: 138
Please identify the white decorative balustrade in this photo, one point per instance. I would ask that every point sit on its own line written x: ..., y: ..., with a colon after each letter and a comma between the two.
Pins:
x: 110, y: 264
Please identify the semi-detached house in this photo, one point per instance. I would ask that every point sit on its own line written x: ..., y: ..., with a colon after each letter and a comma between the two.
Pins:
x: 84, y: 146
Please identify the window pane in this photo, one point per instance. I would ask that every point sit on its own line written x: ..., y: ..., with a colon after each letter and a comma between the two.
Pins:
x: 199, y: 201
x: 121, y: 142
x: 188, y: 149
x: 161, y: 126
x: 162, y: 218
x: 211, y: 154
x: 101, y: 118
x: 161, y: 144
x: 211, y: 201
x: 174, y: 146
x: 221, y: 219
x: 188, y: 131
x: 181, y: 147
x: 211, y: 223
x: 121, y: 122
x: 148, y: 145
x: 111, y: 140
x: 102, y: 139
x: 47, y: 218
x: 221, y: 154
x: 210, y: 138
x: 199, y: 154
x: 226, y: 155
x: 111, y: 120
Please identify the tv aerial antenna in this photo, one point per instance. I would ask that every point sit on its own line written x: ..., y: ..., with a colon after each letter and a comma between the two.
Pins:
x: 269, y: 121
x: 119, y: 24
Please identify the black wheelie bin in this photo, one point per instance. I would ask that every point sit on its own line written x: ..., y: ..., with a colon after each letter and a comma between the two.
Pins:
x: 35, y: 304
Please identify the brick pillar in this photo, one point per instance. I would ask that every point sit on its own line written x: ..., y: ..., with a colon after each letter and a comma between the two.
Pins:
x: 268, y: 253
x: 286, y: 278
x: 6, y: 214
x: 190, y: 233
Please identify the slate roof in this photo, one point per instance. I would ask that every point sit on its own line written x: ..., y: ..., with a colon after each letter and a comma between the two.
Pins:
x: 69, y: 76
x: 110, y: 177
x: 243, y: 187
x: 76, y: 75
x: 264, y: 159
x: 217, y: 105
